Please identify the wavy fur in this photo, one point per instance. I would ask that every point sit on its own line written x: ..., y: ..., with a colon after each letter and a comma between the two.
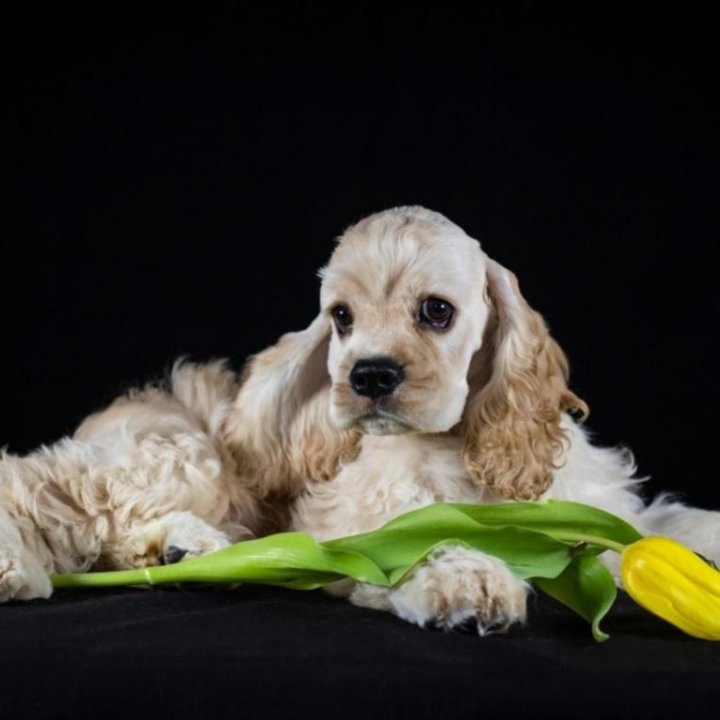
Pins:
x: 514, y: 440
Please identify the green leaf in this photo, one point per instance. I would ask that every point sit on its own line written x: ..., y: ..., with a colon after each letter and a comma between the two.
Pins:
x: 399, y: 545
x: 382, y: 557
x: 560, y: 519
x: 587, y: 587
x: 290, y: 559
x: 536, y: 540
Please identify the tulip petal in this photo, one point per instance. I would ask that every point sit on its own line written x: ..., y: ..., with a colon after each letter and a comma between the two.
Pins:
x: 671, y: 581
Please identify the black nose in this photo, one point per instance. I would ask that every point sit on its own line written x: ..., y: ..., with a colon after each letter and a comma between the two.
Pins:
x: 376, y: 377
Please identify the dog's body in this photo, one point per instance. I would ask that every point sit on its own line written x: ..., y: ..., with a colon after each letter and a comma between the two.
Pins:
x: 425, y: 378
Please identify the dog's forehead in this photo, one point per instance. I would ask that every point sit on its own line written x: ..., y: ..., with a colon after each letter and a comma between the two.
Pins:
x: 377, y: 260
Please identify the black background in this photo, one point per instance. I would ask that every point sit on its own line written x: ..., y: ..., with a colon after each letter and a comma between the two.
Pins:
x: 177, y: 174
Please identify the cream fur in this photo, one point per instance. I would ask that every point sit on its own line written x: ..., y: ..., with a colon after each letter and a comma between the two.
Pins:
x: 483, y: 414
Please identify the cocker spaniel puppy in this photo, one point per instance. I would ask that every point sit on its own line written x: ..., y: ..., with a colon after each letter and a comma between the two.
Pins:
x: 425, y: 378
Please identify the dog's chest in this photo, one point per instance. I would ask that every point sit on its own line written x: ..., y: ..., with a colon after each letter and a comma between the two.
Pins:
x: 392, y: 475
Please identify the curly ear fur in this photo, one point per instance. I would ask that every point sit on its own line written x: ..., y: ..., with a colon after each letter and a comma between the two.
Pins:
x: 279, y: 430
x: 512, y: 433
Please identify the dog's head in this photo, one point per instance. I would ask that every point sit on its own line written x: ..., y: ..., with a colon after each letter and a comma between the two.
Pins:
x: 405, y: 291
x: 429, y: 335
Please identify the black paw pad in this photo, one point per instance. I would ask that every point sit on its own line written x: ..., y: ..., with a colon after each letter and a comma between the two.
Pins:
x: 173, y: 554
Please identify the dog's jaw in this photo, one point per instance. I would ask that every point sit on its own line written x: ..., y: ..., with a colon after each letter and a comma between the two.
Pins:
x: 373, y: 419
x: 382, y: 423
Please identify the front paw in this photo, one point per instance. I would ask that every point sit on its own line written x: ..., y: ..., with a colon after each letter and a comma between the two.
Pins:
x: 457, y: 588
x: 188, y: 536
x: 167, y: 540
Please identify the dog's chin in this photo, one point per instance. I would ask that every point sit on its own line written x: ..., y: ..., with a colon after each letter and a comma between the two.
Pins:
x: 383, y: 421
x: 374, y: 421
x: 379, y: 423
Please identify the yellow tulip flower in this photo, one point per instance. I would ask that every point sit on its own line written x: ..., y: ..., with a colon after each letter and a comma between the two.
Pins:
x: 671, y: 581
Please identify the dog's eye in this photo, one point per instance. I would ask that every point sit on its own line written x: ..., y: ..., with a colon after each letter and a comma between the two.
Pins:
x: 343, y: 318
x: 436, y: 312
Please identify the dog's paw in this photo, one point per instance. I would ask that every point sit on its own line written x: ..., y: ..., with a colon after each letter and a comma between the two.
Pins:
x: 21, y: 580
x: 461, y: 589
x: 188, y: 536
x: 167, y: 540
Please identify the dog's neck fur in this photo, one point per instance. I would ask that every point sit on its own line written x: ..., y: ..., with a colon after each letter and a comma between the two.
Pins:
x: 392, y: 474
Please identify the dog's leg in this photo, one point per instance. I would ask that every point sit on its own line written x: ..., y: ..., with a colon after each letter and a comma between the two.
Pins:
x: 22, y: 576
x: 43, y: 530
x: 455, y: 588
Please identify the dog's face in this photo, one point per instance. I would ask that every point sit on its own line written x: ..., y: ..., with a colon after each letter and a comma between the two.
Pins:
x: 405, y: 293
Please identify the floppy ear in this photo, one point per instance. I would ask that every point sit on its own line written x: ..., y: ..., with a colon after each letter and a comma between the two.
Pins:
x: 518, y: 380
x: 279, y: 430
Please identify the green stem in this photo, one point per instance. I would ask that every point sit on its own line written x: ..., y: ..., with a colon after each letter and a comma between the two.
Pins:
x: 590, y: 540
x: 141, y: 576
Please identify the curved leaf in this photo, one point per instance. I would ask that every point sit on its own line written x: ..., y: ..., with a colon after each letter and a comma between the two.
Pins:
x: 560, y: 519
x: 585, y: 586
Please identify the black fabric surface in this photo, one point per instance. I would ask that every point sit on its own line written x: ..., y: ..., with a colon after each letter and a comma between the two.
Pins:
x: 270, y: 652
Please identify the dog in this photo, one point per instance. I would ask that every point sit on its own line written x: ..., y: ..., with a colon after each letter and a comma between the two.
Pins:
x: 426, y: 377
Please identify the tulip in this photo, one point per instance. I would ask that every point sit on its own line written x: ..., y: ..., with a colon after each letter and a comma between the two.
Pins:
x: 554, y: 544
x: 673, y: 582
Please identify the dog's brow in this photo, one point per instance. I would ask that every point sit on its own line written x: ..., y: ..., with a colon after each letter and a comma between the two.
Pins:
x: 391, y: 285
x: 350, y: 283
x: 395, y: 278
